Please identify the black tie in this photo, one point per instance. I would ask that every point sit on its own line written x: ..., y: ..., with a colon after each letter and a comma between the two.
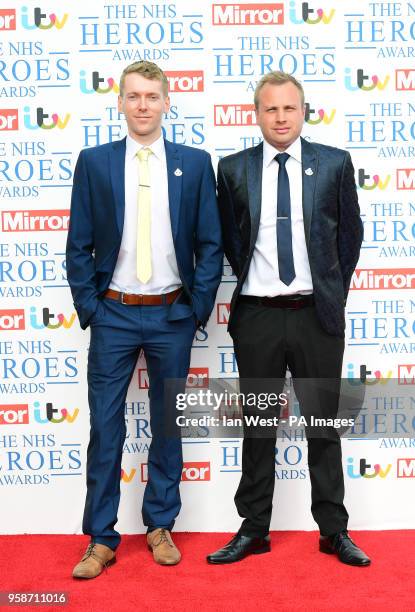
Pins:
x: 284, y: 234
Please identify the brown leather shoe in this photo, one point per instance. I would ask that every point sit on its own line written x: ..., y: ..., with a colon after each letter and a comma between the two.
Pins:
x: 164, y: 550
x: 96, y: 557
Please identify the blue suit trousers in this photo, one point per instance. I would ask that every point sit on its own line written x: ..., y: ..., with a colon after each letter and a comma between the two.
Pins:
x: 118, y: 333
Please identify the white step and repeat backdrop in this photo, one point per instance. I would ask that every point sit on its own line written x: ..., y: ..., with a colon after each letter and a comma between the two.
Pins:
x: 59, y: 67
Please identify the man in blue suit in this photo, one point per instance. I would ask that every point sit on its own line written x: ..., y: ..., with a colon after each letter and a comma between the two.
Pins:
x: 292, y: 234
x: 144, y: 261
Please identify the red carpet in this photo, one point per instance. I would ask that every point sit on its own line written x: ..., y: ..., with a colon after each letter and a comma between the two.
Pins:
x: 294, y: 576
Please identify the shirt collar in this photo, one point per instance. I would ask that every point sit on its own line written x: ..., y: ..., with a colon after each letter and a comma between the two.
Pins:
x: 157, y: 147
x: 294, y: 150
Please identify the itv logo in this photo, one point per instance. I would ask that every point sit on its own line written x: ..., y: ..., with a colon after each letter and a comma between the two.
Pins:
x: 41, y: 20
x: 364, y: 373
x: 49, y: 414
x: 364, y: 82
x: 365, y: 470
x: 315, y: 117
x: 309, y: 15
x: 368, y: 182
x: 44, y: 120
x: 98, y: 84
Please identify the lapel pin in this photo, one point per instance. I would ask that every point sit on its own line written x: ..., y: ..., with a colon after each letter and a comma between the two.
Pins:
x: 309, y: 172
x: 178, y: 172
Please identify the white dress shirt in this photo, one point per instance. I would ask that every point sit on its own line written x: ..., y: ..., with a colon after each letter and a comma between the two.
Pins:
x: 165, y: 275
x: 263, y: 276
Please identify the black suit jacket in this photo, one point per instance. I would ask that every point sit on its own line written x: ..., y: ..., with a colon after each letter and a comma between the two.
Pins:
x: 332, y: 225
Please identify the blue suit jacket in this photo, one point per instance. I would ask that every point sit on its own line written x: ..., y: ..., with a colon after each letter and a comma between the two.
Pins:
x: 332, y: 224
x: 97, y: 218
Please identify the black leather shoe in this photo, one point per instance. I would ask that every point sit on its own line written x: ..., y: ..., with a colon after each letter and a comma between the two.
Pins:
x: 240, y: 547
x: 343, y: 546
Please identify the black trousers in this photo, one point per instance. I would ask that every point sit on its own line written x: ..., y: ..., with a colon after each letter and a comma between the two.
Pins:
x: 267, y: 340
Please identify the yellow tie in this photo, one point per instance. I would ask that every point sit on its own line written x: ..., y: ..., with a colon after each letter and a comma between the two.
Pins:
x: 144, y: 218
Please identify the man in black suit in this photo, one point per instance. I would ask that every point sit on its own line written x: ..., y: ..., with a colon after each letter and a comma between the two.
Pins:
x: 292, y: 234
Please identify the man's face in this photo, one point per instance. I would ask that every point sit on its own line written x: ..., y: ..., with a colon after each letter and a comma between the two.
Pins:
x: 280, y: 114
x: 143, y: 104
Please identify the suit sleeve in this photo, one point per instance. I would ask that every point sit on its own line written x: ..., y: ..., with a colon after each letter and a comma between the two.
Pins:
x: 80, y: 264
x: 350, y: 229
x: 231, y: 238
x: 207, y: 247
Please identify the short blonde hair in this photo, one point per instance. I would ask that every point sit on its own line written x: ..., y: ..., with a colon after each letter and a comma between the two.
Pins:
x: 276, y: 77
x: 148, y: 70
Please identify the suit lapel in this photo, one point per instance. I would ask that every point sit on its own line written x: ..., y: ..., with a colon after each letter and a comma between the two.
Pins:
x: 117, y: 173
x: 174, y: 180
x: 254, y: 183
x: 309, y: 160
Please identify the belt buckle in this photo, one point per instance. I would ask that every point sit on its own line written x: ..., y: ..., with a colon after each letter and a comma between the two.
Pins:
x: 122, y: 294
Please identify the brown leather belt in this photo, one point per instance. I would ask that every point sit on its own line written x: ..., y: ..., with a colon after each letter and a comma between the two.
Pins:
x: 293, y: 302
x: 134, y: 299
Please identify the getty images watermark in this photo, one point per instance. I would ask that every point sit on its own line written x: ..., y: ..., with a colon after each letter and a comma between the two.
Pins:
x: 286, y: 407
x: 215, y: 402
